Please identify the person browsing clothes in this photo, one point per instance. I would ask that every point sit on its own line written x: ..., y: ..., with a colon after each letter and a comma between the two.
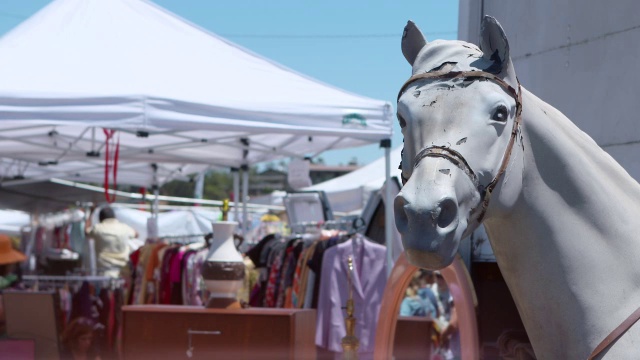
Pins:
x: 111, y: 242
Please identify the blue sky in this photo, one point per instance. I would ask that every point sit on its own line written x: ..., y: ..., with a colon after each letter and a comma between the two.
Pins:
x: 354, y: 45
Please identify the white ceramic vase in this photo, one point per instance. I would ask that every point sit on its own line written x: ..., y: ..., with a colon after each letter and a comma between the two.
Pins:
x: 223, y: 271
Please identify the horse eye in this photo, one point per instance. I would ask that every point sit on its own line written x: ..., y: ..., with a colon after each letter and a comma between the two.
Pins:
x: 500, y: 114
x: 401, y: 121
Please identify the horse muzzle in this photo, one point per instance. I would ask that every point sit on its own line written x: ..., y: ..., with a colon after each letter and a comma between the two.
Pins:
x: 428, y: 228
x: 433, y: 209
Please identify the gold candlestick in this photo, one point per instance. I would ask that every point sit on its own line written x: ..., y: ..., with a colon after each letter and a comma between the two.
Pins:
x: 350, y: 342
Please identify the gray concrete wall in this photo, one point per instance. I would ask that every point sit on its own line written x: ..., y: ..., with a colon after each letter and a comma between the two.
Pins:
x: 581, y: 57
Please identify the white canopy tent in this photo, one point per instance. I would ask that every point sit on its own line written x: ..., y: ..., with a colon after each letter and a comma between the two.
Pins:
x: 12, y: 221
x: 176, y: 92
x: 350, y: 192
x: 176, y: 223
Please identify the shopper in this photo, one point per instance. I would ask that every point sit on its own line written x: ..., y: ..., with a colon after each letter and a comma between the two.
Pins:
x: 428, y: 278
x: 111, y: 242
x: 413, y: 304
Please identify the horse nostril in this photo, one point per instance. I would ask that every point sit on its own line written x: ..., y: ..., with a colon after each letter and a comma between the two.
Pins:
x: 448, y: 212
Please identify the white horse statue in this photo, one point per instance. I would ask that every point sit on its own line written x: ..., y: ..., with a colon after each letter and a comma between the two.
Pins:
x: 561, y: 214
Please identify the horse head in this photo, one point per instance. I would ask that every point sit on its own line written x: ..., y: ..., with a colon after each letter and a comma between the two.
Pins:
x: 459, y: 114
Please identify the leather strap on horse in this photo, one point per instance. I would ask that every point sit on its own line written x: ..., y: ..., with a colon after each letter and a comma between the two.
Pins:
x: 449, y: 154
x: 615, y: 334
x: 517, y: 96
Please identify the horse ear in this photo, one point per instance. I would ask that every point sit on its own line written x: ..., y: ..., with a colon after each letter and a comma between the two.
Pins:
x: 495, y: 46
x: 412, y: 41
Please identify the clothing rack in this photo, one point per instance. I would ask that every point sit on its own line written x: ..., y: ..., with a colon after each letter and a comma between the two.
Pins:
x: 71, y: 278
x: 95, y: 298
x: 306, y: 227
x: 173, y: 237
x: 350, y: 225
x: 182, y: 239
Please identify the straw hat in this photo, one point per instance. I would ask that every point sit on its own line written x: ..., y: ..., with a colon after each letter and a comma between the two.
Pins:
x: 7, y: 254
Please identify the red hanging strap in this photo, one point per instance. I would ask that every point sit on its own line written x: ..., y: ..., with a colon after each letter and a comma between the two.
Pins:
x: 116, y: 154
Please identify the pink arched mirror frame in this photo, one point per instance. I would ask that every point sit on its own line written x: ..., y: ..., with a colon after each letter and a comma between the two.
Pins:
x: 461, y: 288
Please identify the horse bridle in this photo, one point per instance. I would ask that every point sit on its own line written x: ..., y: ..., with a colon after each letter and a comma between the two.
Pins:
x: 455, y: 157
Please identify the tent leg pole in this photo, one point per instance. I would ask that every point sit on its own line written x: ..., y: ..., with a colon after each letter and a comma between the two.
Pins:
x: 156, y: 192
x: 93, y: 267
x: 245, y: 198
x: 199, y: 188
x: 152, y: 222
x: 156, y: 204
x: 388, y: 205
x: 236, y: 194
x: 26, y: 266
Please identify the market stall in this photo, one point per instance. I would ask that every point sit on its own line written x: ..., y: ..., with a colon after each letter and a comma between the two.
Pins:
x: 174, y: 92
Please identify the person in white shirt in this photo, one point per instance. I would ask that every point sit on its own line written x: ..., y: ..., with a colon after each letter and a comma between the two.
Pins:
x: 111, y: 237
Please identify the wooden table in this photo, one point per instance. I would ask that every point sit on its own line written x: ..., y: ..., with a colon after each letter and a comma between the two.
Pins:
x: 173, y: 332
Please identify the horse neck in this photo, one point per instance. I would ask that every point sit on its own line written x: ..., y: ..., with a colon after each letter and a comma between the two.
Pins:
x: 575, y: 168
x: 564, y: 245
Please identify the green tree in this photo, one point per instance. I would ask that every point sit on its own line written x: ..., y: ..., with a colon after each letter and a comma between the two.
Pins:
x: 218, y: 185
x: 178, y: 188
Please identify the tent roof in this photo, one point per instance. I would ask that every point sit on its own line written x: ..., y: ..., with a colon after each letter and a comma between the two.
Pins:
x: 351, y: 191
x: 43, y: 197
x: 16, y: 172
x: 131, y: 65
x: 12, y: 221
